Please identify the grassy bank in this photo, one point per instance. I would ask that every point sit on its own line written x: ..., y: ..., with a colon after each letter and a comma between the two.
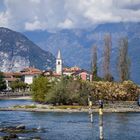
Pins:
x: 111, y: 107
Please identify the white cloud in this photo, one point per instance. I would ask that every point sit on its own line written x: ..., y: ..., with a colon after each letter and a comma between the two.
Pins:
x: 36, y: 25
x: 3, y: 19
x: 36, y: 1
x: 52, y: 14
x: 66, y: 24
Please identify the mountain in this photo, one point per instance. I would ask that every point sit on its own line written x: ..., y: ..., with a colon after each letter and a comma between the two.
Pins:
x: 76, y: 44
x: 18, y: 52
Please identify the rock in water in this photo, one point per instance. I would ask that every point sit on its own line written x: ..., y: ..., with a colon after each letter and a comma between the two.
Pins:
x: 21, y: 126
x: 13, y: 136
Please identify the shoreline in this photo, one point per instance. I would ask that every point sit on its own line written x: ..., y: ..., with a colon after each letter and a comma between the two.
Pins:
x: 116, y: 107
x: 106, y: 110
x: 17, y: 98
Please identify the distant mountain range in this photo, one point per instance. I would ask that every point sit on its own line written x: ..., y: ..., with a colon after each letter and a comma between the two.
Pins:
x: 18, y: 52
x: 76, y: 44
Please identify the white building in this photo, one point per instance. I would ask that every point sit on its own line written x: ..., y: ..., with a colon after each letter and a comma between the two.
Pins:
x: 29, y: 74
x: 59, y: 63
x: 28, y: 78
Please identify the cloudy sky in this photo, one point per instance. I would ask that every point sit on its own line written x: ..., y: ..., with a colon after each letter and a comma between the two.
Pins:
x: 59, y: 14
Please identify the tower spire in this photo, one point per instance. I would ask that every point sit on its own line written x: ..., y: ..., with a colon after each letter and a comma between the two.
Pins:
x: 59, y: 63
x: 59, y: 54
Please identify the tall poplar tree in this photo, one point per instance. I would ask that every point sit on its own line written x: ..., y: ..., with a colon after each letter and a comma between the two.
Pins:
x: 94, y: 63
x: 123, y: 60
x: 107, y: 54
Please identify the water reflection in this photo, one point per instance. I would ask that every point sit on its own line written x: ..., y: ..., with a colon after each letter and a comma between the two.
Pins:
x: 74, y: 126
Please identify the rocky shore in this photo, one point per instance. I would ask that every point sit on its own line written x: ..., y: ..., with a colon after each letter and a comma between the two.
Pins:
x: 70, y: 110
x: 13, y: 132
x: 112, y: 107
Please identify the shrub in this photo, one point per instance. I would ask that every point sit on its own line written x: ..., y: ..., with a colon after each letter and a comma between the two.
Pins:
x: 40, y: 89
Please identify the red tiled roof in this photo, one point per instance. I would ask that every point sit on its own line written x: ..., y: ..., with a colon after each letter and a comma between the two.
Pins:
x: 31, y: 71
x: 56, y: 74
x: 72, y: 69
x: 12, y: 74
x: 81, y: 71
x: 11, y: 79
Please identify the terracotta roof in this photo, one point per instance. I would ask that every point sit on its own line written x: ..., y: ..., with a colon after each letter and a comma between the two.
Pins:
x: 72, y: 69
x: 80, y: 71
x: 11, y: 79
x: 31, y: 71
x: 56, y: 74
x: 12, y: 74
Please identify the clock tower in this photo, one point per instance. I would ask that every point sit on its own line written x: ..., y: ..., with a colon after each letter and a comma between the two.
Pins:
x: 59, y: 63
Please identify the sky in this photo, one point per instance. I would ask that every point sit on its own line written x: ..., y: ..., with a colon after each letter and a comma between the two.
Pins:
x: 31, y: 15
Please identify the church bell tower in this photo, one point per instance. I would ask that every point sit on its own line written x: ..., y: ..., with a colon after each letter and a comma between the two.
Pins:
x: 59, y: 63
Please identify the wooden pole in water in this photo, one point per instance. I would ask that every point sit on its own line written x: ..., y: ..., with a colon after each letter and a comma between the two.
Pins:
x: 90, y: 109
x: 101, y: 120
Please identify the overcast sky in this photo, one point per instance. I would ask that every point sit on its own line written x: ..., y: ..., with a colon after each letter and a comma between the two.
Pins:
x: 59, y: 14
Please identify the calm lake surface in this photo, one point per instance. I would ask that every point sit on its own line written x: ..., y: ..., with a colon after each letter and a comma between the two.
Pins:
x: 73, y: 126
x: 7, y: 103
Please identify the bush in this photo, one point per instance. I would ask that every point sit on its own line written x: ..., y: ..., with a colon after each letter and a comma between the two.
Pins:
x: 68, y: 91
x: 18, y: 85
x: 40, y: 89
x: 30, y: 106
x: 113, y: 91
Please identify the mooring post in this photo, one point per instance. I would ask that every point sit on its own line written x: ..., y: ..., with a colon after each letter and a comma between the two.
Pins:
x: 90, y: 108
x: 101, y: 120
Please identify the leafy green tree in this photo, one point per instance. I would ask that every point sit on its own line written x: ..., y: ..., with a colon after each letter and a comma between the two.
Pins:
x: 2, y: 82
x: 83, y: 93
x: 69, y: 91
x: 58, y: 93
x: 40, y: 89
x: 18, y: 85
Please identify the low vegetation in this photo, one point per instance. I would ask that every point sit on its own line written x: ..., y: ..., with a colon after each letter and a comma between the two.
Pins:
x: 40, y: 89
x: 68, y: 91
x: 18, y: 86
x: 2, y: 82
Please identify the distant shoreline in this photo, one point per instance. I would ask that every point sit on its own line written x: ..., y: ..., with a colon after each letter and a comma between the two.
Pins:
x: 118, y: 107
x: 16, y: 98
x: 109, y: 110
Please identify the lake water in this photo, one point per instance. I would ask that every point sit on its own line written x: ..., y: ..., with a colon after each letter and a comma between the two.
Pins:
x: 74, y: 126
x: 7, y: 103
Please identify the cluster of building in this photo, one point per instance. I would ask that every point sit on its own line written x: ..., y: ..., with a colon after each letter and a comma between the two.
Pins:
x: 28, y: 74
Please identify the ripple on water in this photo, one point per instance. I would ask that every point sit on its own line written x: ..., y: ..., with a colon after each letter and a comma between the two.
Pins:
x: 75, y: 126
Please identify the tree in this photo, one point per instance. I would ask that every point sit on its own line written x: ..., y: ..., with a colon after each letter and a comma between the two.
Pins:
x: 94, y: 63
x: 123, y: 60
x: 106, y: 62
x: 18, y: 85
x: 40, y: 89
x: 69, y: 91
x: 2, y: 82
x: 58, y: 94
x: 94, y: 66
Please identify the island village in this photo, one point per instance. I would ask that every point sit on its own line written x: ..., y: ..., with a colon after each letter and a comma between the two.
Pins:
x: 28, y: 74
x: 69, y: 69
